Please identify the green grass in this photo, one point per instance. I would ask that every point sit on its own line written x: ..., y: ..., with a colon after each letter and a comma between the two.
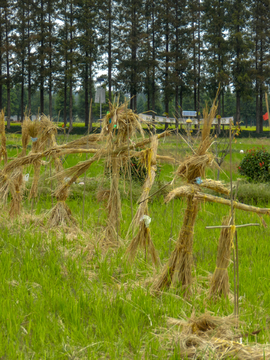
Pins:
x: 63, y: 299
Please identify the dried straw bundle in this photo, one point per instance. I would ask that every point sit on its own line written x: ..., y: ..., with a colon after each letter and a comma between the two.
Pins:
x: 15, y: 189
x: 220, y: 280
x: 46, y: 132
x: 179, y: 267
x: 81, y: 167
x: 124, y: 120
x: 3, y: 151
x: 143, y: 240
x: 103, y: 195
x: 216, y: 186
x: 149, y: 158
x: 182, y: 191
x: 212, y: 337
x: 60, y: 214
x: 114, y: 204
x: 143, y: 237
x: 89, y: 140
x: 211, y: 198
x: 194, y: 166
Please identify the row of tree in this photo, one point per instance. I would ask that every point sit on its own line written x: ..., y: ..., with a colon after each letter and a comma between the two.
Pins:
x: 174, y: 50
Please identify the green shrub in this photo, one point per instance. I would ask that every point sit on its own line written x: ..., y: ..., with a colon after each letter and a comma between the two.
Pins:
x: 255, y: 166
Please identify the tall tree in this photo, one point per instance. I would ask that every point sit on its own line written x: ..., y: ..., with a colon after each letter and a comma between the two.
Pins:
x: 259, y: 24
x: 87, y: 41
x: 130, y: 22
x: 216, y: 48
x: 7, y: 10
x: 240, y: 48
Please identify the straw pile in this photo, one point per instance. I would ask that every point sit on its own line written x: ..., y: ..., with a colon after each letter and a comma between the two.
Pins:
x: 212, y: 337
x: 3, y: 151
x: 60, y: 214
x: 220, y: 280
x: 143, y: 238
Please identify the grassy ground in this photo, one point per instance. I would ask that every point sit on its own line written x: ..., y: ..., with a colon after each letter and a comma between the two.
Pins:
x: 62, y: 298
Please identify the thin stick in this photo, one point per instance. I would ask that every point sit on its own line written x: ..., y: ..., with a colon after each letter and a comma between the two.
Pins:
x: 237, y: 273
x: 86, y: 159
x: 232, y: 223
x: 228, y: 226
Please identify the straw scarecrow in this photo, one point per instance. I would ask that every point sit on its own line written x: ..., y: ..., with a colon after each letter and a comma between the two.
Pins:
x: 141, y: 219
x: 179, y: 267
x: 118, y: 127
x: 178, y: 270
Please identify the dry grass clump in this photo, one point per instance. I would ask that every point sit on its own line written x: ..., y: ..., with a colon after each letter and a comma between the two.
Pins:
x: 220, y: 280
x: 103, y: 195
x: 60, y: 215
x: 212, y: 337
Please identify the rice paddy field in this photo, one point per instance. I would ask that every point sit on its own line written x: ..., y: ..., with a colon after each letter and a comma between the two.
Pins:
x: 62, y: 297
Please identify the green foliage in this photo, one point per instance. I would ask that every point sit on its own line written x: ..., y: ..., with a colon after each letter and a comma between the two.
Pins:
x: 255, y: 166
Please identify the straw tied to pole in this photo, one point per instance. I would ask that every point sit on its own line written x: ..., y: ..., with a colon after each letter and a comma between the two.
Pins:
x: 178, y: 269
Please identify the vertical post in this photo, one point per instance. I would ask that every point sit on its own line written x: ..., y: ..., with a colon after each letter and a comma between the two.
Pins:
x: 100, y: 104
x: 235, y: 252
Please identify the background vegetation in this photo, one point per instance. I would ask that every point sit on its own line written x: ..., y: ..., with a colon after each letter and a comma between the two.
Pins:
x: 166, y: 55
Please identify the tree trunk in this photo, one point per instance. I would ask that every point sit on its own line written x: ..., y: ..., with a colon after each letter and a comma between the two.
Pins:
x: 86, y: 110
x: 50, y: 64
x: 110, y: 51
x: 42, y: 63
x: 29, y: 56
x: 167, y: 65
x: 1, y: 59
x: 22, y: 84
x: 7, y: 65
